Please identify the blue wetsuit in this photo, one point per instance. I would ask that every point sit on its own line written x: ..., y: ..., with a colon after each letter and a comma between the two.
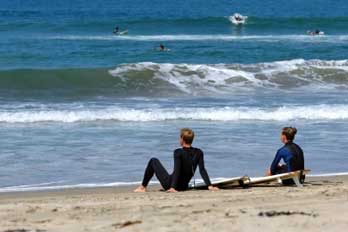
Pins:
x: 292, y: 155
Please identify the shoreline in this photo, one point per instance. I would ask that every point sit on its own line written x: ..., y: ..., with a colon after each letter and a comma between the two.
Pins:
x: 129, y: 188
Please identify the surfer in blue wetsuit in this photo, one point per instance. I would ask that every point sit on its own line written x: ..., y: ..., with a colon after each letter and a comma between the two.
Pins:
x: 291, y: 153
x: 186, y: 160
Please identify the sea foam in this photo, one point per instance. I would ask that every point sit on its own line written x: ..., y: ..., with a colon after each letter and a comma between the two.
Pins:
x: 284, y: 113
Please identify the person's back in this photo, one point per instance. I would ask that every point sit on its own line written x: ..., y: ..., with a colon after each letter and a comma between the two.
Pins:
x: 297, y: 159
x: 186, y: 161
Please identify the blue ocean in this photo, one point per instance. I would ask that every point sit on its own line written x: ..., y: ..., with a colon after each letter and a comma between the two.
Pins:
x: 81, y: 106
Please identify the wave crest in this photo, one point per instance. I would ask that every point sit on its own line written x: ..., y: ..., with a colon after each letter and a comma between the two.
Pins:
x: 166, y: 79
x: 285, y: 113
x: 195, y: 78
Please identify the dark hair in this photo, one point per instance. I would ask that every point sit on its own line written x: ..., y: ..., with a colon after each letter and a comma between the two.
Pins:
x: 289, y: 133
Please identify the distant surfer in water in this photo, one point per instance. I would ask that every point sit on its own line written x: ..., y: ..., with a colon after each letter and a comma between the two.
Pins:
x: 291, y: 153
x: 186, y: 160
x: 162, y: 48
x: 316, y: 32
x: 116, y: 30
x: 238, y: 18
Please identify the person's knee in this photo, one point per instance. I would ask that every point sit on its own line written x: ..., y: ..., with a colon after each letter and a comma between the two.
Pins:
x: 153, y: 160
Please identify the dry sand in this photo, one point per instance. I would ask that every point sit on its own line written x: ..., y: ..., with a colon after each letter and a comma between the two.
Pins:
x: 321, y: 205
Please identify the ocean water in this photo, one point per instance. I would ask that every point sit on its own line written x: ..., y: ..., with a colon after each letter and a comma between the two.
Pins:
x: 80, y: 106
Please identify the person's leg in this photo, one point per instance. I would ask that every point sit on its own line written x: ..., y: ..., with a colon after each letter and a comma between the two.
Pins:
x: 279, y: 170
x: 284, y: 169
x: 155, y: 167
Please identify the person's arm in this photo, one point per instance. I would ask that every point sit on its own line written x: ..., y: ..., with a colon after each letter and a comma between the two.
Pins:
x: 203, y: 171
x: 275, y: 163
x: 176, y: 173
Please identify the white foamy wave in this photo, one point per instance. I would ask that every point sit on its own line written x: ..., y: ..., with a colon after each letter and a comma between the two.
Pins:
x: 50, y: 186
x: 42, y: 187
x: 192, y: 78
x: 284, y: 113
x: 217, y: 37
x: 188, y: 77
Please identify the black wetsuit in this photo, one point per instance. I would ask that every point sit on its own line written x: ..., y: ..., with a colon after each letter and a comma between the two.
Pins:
x: 186, y: 161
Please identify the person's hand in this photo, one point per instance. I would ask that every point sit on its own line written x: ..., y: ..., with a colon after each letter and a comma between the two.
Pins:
x: 212, y: 188
x: 268, y: 172
x: 171, y: 190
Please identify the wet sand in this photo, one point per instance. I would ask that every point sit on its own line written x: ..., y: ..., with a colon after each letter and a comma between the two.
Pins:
x: 321, y: 205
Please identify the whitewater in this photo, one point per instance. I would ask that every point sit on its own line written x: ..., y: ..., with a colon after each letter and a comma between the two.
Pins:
x: 283, y: 114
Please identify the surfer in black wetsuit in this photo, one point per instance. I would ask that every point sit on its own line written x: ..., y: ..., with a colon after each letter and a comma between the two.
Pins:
x: 162, y: 48
x: 316, y: 32
x: 291, y: 153
x: 186, y: 160
x: 238, y: 18
x: 116, y: 30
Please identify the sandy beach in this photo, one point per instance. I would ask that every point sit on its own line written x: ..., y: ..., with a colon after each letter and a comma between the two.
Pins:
x: 321, y: 205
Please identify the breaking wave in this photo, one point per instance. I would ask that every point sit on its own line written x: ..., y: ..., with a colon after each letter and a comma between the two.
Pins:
x: 166, y: 79
x: 284, y: 113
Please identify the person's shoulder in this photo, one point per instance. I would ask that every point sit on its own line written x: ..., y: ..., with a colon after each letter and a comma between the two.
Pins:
x: 282, y: 149
x: 197, y: 150
x: 178, y: 151
x: 298, y: 146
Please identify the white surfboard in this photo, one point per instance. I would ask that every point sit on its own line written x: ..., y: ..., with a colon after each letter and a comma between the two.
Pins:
x: 225, y: 183
x: 125, y: 32
x: 284, y: 176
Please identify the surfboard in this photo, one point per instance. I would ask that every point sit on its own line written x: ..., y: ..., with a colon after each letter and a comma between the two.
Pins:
x: 162, y: 50
x: 125, y: 32
x: 313, y: 33
x: 225, y: 183
x: 284, y: 176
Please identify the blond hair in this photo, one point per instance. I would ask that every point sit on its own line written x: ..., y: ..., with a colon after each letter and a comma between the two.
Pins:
x: 187, y: 135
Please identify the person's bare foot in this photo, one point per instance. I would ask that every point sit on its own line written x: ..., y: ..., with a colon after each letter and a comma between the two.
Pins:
x: 140, y: 189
